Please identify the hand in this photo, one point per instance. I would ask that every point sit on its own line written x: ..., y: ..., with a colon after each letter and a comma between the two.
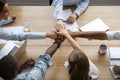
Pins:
x: 59, y: 21
x: 13, y: 18
x: 61, y: 30
x: 116, y: 69
x: 28, y: 63
x: 72, y: 18
x: 60, y: 39
x: 51, y: 35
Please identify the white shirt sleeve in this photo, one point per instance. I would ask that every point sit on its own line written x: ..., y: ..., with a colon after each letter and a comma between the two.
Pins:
x: 8, y: 35
x: 3, y: 22
x: 58, y: 5
x: 113, y: 35
x: 81, y: 6
x: 94, y: 72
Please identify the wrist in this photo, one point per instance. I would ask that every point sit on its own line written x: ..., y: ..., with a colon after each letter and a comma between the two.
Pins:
x: 59, y: 20
x: 57, y: 41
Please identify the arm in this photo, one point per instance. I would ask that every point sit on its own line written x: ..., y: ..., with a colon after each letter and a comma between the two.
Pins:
x: 82, y: 6
x: 4, y: 22
x: 100, y: 35
x: 8, y: 35
x: 58, y: 5
x: 39, y: 69
x: 52, y: 49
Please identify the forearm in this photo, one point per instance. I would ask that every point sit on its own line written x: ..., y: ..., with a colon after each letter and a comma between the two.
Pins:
x: 82, y: 7
x: 100, y: 35
x: 52, y: 49
x: 74, y: 44
x: 52, y: 35
x: 58, y: 5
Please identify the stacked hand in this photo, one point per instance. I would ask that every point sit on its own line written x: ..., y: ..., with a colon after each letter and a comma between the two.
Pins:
x: 61, y: 30
x: 60, y: 22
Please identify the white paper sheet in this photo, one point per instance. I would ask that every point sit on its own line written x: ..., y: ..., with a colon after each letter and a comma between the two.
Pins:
x: 96, y: 25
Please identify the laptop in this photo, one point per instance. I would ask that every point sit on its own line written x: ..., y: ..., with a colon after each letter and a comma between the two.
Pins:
x: 13, y: 49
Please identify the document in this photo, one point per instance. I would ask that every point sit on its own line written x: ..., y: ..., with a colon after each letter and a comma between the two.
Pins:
x: 96, y: 25
x: 72, y: 27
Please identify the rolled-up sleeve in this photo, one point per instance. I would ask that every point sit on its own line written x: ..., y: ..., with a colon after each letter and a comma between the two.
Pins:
x: 38, y: 71
x: 113, y: 35
x: 81, y: 6
x: 3, y: 22
x: 58, y: 5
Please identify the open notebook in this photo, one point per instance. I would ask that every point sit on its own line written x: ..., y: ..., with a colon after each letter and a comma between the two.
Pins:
x: 95, y: 25
x: 13, y: 49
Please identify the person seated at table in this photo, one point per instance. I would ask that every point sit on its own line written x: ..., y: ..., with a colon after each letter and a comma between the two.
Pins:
x: 9, y: 68
x: 100, y: 35
x: 58, y: 4
x: 5, y: 16
x: 80, y: 66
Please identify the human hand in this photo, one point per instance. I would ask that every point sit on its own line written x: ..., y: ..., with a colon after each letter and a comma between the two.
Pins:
x: 61, y: 30
x: 28, y: 63
x: 13, y: 18
x: 59, y: 21
x: 116, y: 69
x: 72, y: 18
x: 51, y: 35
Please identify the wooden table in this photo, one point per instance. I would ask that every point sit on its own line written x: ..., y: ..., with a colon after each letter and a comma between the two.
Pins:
x: 41, y: 19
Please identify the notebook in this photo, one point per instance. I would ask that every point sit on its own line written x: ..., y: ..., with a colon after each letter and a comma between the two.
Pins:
x: 95, y: 25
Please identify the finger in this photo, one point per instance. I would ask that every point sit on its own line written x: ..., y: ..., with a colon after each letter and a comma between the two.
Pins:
x: 57, y: 27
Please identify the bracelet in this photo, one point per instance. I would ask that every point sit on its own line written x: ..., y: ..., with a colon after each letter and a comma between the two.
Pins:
x: 58, y: 41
